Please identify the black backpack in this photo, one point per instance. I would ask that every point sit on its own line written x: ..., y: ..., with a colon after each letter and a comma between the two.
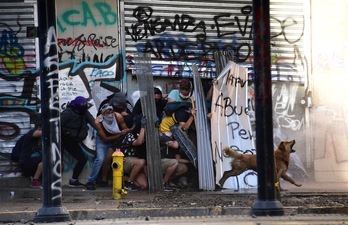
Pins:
x: 16, y: 151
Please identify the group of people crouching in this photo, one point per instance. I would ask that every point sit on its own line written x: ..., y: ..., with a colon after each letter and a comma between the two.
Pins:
x: 119, y: 125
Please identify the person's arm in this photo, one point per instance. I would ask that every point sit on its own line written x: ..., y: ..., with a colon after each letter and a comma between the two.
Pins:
x: 65, y: 117
x: 186, y: 125
x: 171, y: 95
x: 121, y: 123
x: 209, y: 95
x: 181, y: 160
x: 102, y: 134
x: 90, y: 119
x: 37, y: 133
x: 141, y: 137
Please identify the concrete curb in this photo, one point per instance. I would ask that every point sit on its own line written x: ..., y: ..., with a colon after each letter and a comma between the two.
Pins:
x: 100, y: 214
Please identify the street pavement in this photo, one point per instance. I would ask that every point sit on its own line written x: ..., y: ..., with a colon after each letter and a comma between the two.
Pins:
x: 19, y: 204
x: 217, y: 220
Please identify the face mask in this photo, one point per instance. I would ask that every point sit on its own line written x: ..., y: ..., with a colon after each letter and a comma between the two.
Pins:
x: 183, y: 96
x: 109, y: 118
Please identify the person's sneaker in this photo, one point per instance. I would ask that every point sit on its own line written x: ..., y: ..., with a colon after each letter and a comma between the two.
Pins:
x: 172, y: 184
x: 90, y: 186
x: 36, y: 184
x: 182, y: 182
x: 167, y: 187
x: 130, y: 186
x: 75, y: 183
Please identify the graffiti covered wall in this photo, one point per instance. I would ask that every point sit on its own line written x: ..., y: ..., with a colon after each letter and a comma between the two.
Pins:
x: 18, y: 92
x: 91, y: 56
x: 178, y: 37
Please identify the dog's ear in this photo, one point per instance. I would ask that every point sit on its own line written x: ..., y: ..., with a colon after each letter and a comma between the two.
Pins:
x: 225, y: 151
x: 281, y: 146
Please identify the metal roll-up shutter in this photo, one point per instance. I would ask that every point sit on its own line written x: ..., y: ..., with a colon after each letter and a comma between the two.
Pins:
x: 18, y: 73
x: 287, y: 40
x: 180, y: 33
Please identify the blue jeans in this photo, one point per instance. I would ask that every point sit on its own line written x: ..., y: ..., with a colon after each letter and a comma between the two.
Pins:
x: 101, y: 148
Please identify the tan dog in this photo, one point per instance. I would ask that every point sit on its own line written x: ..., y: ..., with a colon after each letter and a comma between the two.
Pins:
x: 242, y: 162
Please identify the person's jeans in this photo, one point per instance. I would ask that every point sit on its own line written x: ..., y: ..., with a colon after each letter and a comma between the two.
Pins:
x: 101, y: 148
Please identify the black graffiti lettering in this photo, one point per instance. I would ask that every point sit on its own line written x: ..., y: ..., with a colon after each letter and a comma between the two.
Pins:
x: 227, y: 109
x: 221, y: 25
x: 136, y: 32
x: 241, y: 48
x: 243, y: 28
x: 168, y: 49
x: 142, y: 13
x: 233, y: 109
x: 238, y: 132
x: 217, y: 104
x: 246, y: 10
x: 146, y: 26
x: 291, y: 24
x: 80, y: 42
x: 183, y: 22
x: 235, y: 81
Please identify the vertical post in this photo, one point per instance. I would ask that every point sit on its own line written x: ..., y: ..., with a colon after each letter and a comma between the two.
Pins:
x: 153, y: 153
x: 266, y: 203
x: 52, y: 210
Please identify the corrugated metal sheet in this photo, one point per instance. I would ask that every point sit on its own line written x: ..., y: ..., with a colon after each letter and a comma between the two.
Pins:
x: 17, y: 71
x: 180, y: 33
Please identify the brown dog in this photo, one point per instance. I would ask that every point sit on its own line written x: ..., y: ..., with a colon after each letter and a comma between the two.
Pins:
x: 242, y: 162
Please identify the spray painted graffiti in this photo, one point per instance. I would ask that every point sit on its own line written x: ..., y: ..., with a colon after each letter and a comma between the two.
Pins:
x: 87, y: 31
x: 90, y: 65
x: 50, y: 87
x: 186, y: 40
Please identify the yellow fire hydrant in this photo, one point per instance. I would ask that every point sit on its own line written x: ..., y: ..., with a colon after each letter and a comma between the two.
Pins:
x: 117, y: 172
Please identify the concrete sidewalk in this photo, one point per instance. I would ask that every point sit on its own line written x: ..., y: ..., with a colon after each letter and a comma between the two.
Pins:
x: 22, y: 203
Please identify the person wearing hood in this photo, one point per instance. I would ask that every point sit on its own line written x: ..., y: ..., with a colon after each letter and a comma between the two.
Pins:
x: 129, y: 106
x: 74, y: 130
x: 111, y: 128
x: 30, y: 157
x: 120, y: 104
x: 160, y: 104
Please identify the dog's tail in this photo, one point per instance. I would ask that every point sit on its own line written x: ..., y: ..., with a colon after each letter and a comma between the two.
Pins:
x: 231, y: 153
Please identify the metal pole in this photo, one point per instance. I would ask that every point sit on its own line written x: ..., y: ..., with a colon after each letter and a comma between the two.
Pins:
x: 266, y: 203
x: 52, y: 210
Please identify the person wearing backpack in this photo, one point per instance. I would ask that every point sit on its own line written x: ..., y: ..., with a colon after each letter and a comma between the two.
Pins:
x: 74, y: 130
x: 30, y: 156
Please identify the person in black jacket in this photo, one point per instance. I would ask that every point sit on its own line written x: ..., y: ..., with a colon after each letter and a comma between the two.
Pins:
x: 74, y: 130
x: 30, y: 157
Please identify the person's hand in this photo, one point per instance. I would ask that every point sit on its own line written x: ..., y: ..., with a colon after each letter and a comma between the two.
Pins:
x: 143, y: 121
x: 193, y: 112
x: 124, y: 131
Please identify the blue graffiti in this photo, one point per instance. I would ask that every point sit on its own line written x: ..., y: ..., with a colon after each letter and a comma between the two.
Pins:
x: 9, y: 46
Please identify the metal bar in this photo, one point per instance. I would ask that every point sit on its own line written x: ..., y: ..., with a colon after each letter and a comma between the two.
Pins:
x: 52, y: 210
x: 266, y: 203
x: 153, y: 154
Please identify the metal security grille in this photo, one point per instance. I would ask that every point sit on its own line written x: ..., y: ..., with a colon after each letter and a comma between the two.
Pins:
x: 181, y: 33
x: 18, y: 72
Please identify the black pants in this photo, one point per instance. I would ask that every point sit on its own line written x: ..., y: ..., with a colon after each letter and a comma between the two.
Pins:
x: 75, y: 150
